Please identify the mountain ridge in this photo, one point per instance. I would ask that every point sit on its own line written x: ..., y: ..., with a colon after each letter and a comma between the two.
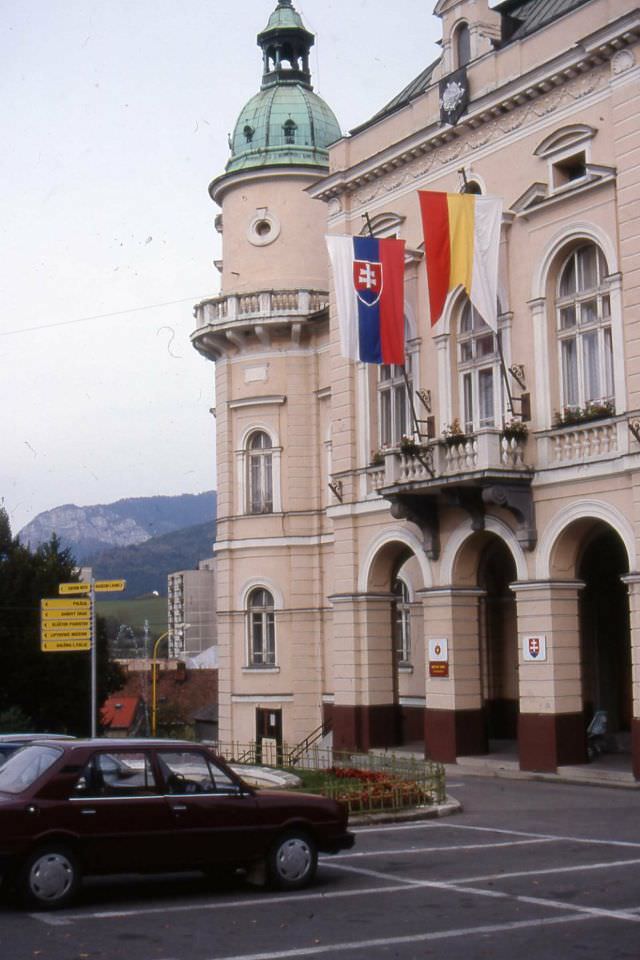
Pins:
x: 87, y: 531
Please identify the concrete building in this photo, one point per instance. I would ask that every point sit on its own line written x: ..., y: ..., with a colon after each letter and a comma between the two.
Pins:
x: 480, y: 584
x: 191, y: 604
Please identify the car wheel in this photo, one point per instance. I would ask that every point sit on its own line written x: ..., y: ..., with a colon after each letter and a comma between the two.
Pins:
x: 49, y: 878
x: 292, y: 861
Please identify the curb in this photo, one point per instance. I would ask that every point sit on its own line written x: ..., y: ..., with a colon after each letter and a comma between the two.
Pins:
x: 411, y: 814
x: 565, y: 777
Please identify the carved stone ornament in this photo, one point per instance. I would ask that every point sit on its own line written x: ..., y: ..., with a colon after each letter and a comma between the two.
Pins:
x: 622, y: 61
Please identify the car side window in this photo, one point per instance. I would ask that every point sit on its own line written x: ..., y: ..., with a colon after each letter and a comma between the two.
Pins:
x: 188, y: 772
x: 116, y: 774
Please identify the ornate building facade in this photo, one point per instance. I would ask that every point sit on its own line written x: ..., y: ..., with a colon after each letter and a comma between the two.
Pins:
x: 445, y: 553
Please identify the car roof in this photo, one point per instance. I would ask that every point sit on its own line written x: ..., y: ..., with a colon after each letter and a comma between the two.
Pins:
x: 132, y: 743
x: 28, y: 737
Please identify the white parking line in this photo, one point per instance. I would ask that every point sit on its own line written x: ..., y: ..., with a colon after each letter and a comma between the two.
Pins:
x: 461, y: 886
x: 574, y: 868
x: 334, y: 949
x: 439, y: 825
x: 444, y: 849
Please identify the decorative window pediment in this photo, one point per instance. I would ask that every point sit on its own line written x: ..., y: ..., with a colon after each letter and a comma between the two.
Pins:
x: 383, y: 225
x: 567, y: 138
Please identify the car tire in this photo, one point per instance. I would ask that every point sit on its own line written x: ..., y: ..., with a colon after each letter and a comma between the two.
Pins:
x: 292, y: 861
x: 49, y: 877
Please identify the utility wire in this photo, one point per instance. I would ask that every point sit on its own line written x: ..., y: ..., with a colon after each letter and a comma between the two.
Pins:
x: 100, y: 316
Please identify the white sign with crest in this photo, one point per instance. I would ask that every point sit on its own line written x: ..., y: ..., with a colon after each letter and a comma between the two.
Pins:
x: 534, y: 647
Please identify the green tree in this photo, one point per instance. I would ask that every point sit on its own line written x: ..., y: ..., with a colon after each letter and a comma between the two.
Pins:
x: 52, y: 689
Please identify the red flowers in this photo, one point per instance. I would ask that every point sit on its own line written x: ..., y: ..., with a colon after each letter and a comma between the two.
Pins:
x: 371, y: 790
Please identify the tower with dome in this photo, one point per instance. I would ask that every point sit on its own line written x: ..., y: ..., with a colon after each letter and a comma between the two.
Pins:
x: 268, y: 334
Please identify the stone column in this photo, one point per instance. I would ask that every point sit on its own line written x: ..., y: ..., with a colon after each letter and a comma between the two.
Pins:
x: 365, y: 708
x: 632, y: 581
x: 551, y: 727
x: 454, y: 717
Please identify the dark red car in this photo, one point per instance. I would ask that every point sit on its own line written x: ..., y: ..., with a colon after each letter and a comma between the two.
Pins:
x: 78, y: 807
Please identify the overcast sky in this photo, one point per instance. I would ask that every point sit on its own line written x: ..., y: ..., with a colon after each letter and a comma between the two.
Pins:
x: 115, y: 115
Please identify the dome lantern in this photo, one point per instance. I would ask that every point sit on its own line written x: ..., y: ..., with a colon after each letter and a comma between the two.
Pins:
x: 285, y: 47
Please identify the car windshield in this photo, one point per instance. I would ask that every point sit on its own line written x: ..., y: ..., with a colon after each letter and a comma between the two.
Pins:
x: 24, y: 767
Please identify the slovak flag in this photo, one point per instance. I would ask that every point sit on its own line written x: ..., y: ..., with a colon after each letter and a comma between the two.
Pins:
x: 369, y: 284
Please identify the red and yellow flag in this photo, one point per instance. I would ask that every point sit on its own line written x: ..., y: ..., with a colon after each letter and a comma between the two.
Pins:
x: 461, y: 242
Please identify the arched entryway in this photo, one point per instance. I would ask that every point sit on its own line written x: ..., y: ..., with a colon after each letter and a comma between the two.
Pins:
x: 380, y: 697
x: 498, y: 642
x: 604, y: 633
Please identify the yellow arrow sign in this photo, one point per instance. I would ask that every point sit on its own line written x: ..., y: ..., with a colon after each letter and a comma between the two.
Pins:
x: 62, y: 646
x: 74, y: 587
x: 65, y: 605
x: 68, y: 616
x: 109, y: 586
x: 72, y: 632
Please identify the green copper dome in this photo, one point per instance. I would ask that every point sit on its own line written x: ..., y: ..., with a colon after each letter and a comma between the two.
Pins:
x: 286, y: 122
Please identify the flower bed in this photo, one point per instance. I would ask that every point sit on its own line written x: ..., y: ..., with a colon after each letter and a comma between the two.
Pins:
x: 369, y: 790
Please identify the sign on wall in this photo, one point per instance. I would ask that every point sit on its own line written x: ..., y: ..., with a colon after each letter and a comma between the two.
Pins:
x: 534, y: 647
x: 439, y: 657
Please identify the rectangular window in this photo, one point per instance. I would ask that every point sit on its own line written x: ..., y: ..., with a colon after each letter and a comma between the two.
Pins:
x: 570, y: 373
x: 608, y: 364
x: 485, y: 398
x: 393, y: 405
x: 467, y: 388
x: 590, y: 357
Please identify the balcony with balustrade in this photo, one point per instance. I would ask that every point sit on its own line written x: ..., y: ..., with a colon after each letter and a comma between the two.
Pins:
x: 496, y: 468
x: 228, y: 322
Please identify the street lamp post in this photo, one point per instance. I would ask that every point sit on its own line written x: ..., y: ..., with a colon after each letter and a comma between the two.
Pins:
x: 154, y: 679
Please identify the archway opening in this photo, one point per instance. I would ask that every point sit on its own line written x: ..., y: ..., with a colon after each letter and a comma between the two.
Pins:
x: 605, y: 635
x: 498, y: 643
x: 396, y: 572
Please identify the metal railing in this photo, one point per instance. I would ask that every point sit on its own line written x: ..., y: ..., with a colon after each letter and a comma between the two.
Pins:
x: 366, y: 782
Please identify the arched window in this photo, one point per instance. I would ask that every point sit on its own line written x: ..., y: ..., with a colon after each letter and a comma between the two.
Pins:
x: 260, y: 473
x: 261, y: 628
x: 401, y: 621
x: 289, y: 128
x: 478, y: 372
x: 583, y: 312
x: 463, y: 45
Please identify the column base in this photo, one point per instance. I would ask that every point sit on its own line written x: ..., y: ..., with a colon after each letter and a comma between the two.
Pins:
x: 364, y: 727
x: 454, y: 733
x: 635, y: 747
x: 549, y: 741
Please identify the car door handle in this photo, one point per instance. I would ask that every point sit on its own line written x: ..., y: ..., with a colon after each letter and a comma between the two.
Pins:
x: 179, y: 807
x: 87, y: 812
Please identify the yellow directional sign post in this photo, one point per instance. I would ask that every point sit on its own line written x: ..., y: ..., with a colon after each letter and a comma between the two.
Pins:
x: 65, y: 616
x: 74, y: 588
x: 66, y: 604
x: 65, y: 646
x: 68, y: 624
x: 109, y: 586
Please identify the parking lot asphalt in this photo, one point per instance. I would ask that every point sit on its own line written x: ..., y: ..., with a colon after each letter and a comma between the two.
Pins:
x: 550, y: 869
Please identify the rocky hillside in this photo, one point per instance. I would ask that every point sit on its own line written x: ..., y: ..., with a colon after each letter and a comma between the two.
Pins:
x: 90, y: 530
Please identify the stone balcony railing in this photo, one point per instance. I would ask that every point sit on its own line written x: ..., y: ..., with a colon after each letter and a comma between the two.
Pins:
x: 585, y: 443
x: 438, y: 460
x: 251, y: 307
x: 225, y: 323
